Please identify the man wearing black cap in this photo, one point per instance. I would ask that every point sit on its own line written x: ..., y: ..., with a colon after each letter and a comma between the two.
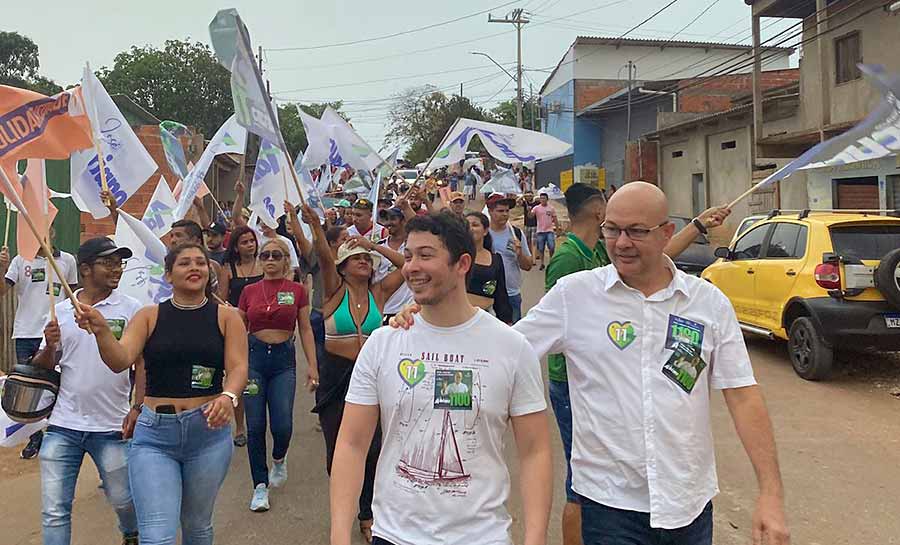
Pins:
x: 93, y: 414
x: 215, y: 237
x: 362, y: 222
x: 394, y: 219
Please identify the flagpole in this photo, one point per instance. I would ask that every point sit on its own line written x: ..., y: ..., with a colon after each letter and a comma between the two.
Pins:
x: 433, y: 155
x: 44, y: 247
x: 6, y: 230
x: 50, y: 292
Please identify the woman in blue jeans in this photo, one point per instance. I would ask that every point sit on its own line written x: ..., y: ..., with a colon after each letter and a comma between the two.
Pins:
x: 273, y: 308
x: 182, y: 445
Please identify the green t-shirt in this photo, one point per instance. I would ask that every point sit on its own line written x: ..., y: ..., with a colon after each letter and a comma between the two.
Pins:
x: 571, y: 256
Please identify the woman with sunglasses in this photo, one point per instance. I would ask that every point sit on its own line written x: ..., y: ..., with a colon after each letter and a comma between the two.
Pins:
x: 239, y: 270
x: 352, y: 310
x: 182, y: 447
x: 273, y: 309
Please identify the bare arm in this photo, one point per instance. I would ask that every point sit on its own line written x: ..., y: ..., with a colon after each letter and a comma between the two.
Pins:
x: 751, y: 420
x: 202, y: 214
x: 224, y: 281
x: 306, y: 247
x: 237, y: 209
x: 121, y: 354
x: 711, y: 218
x: 330, y: 277
x: 107, y: 198
x: 4, y: 268
x: 236, y: 366
x: 532, y: 434
x: 354, y: 438
x: 308, y: 343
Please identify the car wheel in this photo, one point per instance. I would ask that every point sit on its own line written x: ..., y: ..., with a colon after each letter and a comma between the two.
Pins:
x: 811, y: 356
x: 886, y: 277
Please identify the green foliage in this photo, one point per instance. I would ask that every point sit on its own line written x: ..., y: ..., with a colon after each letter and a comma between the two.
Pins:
x: 505, y: 113
x: 19, y: 64
x: 420, y: 117
x: 181, y: 81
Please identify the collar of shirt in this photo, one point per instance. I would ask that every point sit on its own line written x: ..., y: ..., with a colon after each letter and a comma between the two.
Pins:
x: 581, y: 246
x: 677, y: 284
x: 114, y: 298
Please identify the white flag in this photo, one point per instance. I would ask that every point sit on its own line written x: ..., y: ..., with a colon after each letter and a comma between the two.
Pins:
x: 230, y: 137
x: 387, y: 168
x: 159, y: 214
x: 503, y: 180
x: 319, y: 138
x: 267, y: 191
x: 335, y: 145
x: 351, y: 146
x: 144, y: 275
x: 507, y: 144
x: 128, y: 163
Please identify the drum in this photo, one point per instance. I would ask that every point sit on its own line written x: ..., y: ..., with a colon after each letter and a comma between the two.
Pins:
x: 29, y: 393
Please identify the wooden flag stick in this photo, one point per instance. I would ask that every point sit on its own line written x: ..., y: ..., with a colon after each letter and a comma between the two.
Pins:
x: 6, y: 230
x: 430, y: 159
x: 50, y: 294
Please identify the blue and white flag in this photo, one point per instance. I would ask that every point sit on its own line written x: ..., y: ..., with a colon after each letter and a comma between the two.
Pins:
x: 503, y: 180
x: 876, y: 137
x: 311, y: 193
x: 358, y: 152
x: 159, y: 215
x: 144, y: 274
x: 552, y: 192
x: 128, y: 163
x: 507, y: 144
x: 390, y: 163
x: 270, y: 180
x: 332, y: 144
x: 230, y: 138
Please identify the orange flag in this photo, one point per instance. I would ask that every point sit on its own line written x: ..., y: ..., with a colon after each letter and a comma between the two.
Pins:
x: 36, y: 198
x: 36, y: 126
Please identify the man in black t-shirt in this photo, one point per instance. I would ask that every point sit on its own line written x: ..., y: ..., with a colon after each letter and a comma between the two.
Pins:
x: 528, y: 203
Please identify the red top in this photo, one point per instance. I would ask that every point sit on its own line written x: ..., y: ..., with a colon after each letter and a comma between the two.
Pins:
x: 273, y: 304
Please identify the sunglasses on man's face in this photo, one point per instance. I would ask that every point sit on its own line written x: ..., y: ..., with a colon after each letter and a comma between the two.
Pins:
x: 274, y: 256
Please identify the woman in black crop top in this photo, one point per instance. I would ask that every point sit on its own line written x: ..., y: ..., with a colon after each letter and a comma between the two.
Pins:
x: 239, y: 269
x: 487, y: 281
x: 188, y: 346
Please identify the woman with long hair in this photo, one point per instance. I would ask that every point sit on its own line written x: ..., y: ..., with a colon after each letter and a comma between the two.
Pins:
x: 352, y: 310
x: 239, y: 269
x: 194, y: 354
x: 273, y: 309
x: 487, y: 281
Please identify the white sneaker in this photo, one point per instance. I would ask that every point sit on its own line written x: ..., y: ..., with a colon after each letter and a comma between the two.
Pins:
x: 278, y: 476
x: 260, y: 501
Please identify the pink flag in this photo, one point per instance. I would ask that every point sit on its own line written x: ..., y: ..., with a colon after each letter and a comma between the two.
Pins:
x: 36, y: 199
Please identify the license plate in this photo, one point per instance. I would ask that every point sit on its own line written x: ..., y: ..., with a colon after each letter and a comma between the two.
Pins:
x: 892, y: 320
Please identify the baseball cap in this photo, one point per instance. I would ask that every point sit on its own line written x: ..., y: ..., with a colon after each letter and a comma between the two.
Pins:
x: 362, y: 204
x: 217, y: 228
x: 93, y: 248
x: 393, y: 212
x: 457, y: 196
x: 499, y: 198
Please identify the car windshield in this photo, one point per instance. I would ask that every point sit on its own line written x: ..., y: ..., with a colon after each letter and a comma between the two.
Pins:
x: 409, y: 174
x: 869, y: 242
x: 680, y: 223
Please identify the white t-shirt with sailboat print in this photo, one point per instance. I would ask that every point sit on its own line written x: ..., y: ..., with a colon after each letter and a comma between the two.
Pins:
x: 446, y: 397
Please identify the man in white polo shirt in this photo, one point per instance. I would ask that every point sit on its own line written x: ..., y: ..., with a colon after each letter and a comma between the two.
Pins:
x: 642, y: 456
x: 93, y: 414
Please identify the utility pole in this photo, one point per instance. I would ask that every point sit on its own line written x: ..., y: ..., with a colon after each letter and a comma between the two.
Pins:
x: 268, y: 84
x: 631, y: 67
x: 516, y: 19
x: 531, y: 99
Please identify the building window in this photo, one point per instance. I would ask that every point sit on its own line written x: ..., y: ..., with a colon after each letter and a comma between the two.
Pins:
x: 677, y: 154
x: 848, y: 54
x: 731, y: 144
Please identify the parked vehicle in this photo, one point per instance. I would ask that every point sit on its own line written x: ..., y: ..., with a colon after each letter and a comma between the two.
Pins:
x: 699, y: 255
x: 745, y: 224
x: 818, y: 280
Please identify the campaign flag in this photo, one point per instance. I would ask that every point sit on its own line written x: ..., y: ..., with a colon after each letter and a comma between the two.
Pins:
x: 252, y: 107
x: 169, y: 132
x: 310, y: 192
x: 267, y: 191
x: 507, y: 144
x: 357, y: 151
x: 332, y: 144
x: 127, y: 162
x: 877, y: 136
x: 14, y: 433
x: 230, y: 138
x: 159, y: 214
x: 388, y: 166
x: 144, y: 274
x: 503, y: 180
x: 11, y: 186
x: 318, y: 151
x: 33, y: 125
x: 552, y: 192
x: 36, y: 199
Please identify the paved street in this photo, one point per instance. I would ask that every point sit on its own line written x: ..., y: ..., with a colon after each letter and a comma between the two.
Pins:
x: 838, y: 443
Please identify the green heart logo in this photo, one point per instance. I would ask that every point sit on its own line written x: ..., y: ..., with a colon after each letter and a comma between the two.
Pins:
x: 621, y: 334
x: 412, y: 372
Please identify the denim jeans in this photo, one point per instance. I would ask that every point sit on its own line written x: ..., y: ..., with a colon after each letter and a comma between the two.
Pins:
x: 61, y: 455
x: 562, y: 409
x: 177, y: 465
x: 515, y: 301
x: 272, y: 384
x: 546, y: 240
x: 25, y: 348
x: 602, y: 525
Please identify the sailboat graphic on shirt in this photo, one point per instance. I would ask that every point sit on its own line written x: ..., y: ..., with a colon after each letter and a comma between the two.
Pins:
x: 434, y: 458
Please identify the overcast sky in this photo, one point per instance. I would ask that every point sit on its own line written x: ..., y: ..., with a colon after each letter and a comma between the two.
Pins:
x: 96, y: 30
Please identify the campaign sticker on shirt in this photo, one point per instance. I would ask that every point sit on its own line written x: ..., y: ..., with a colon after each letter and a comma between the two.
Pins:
x: 57, y: 287
x: 252, y: 387
x: 489, y: 288
x: 621, y: 334
x: 38, y: 275
x: 116, y: 325
x: 453, y: 389
x: 684, y: 331
x: 685, y: 366
x: 202, y: 377
x: 285, y: 298
x: 412, y: 372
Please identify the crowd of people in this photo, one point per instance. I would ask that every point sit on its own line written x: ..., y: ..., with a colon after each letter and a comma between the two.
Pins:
x: 409, y: 314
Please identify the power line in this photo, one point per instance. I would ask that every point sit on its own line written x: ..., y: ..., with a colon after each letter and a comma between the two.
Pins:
x: 685, y: 27
x: 394, y: 35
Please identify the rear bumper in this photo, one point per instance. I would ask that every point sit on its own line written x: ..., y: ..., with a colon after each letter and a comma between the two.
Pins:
x: 858, y: 324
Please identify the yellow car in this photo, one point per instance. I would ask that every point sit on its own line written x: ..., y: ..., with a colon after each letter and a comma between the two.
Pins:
x: 818, y: 280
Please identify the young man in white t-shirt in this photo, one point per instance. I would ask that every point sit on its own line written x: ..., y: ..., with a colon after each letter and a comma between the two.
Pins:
x: 445, y: 392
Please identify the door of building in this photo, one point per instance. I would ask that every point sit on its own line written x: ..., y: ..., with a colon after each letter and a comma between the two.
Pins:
x: 857, y: 193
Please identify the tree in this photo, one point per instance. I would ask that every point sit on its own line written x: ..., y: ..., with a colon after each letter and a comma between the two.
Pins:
x: 292, y: 127
x: 505, y: 113
x: 19, y: 64
x: 421, y: 116
x: 182, y: 82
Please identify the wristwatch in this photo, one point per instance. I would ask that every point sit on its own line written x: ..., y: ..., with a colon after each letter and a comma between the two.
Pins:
x: 699, y: 225
x: 234, y: 397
